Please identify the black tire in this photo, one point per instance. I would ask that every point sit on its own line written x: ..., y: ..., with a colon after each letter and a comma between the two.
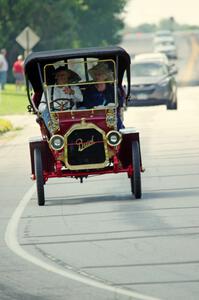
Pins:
x: 169, y: 105
x: 39, y: 177
x: 136, y: 176
x: 132, y: 184
x: 175, y: 103
x: 172, y: 104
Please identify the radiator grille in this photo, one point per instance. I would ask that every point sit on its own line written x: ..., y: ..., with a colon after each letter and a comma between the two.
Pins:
x: 85, y: 147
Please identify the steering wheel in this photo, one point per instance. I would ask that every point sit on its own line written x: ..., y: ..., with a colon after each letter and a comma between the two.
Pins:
x: 62, y: 104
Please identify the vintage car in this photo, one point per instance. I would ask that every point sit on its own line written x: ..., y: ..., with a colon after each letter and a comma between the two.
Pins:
x: 79, y: 142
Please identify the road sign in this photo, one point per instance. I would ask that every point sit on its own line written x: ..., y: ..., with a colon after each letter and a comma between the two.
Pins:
x: 27, y: 39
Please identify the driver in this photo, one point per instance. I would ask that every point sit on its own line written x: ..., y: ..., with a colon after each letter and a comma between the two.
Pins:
x: 62, y: 97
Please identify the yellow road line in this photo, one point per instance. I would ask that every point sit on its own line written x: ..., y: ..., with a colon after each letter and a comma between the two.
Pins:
x: 187, y: 74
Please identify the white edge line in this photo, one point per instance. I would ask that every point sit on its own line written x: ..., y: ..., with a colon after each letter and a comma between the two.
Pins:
x: 12, y: 243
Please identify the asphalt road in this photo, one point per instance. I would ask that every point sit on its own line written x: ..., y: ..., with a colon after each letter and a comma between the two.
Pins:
x: 93, y: 240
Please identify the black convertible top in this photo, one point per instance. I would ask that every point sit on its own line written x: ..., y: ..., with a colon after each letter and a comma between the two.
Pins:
x: 36, y: 61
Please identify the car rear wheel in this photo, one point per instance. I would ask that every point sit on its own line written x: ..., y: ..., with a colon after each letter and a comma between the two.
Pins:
x: 175, y: 103
x: 136, y: 176
x: 172, y: 104
x: 39, y: 177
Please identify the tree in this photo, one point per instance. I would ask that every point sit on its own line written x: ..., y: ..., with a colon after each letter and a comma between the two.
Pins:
x: 99, y: 22
x: 168, y: 24
x: 61, y: 23
x: 145, y: 27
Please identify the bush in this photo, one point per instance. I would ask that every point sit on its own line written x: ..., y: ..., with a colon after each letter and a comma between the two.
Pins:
x: 5, y: 126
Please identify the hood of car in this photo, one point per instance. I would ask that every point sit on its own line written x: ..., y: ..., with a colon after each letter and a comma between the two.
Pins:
x: 165, y: 48
x: 146, y: 80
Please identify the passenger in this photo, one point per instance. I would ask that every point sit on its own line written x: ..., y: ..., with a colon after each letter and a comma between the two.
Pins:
x: 102, y: 93
x: 61, y: 97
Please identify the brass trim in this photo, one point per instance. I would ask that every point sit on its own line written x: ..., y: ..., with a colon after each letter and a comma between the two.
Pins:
x: 111, y: 114
x: 80, y: 62
x: 80, y: 83
x: 50, y: 142
x: 82, y: 126
x: 118, y: 133
x: 54, y: 122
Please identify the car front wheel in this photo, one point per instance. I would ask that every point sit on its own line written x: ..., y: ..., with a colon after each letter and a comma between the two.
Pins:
x: 136, y: 176
x: 172, y: 104
x: 39, y: 177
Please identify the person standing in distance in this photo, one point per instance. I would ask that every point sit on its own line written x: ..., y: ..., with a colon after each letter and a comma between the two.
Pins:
x: 3, y: 68
x: 18, y: 72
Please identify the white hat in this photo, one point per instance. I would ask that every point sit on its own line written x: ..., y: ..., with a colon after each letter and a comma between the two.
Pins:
x: 101, y: 68
x: 58, y: 64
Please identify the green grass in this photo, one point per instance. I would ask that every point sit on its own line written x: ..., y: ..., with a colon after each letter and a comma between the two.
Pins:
x: 12, y: 102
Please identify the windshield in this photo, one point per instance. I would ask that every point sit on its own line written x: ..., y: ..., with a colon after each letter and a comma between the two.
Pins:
x: 165, y: 43
x: 149, y: 69
x: 80, y: 84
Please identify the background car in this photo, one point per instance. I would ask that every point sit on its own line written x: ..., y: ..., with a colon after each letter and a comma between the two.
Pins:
x: 167, y: 46
x: 157, y: 56
x: 153, y: 81
x: 152, y: 56
x: 162, y: 35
